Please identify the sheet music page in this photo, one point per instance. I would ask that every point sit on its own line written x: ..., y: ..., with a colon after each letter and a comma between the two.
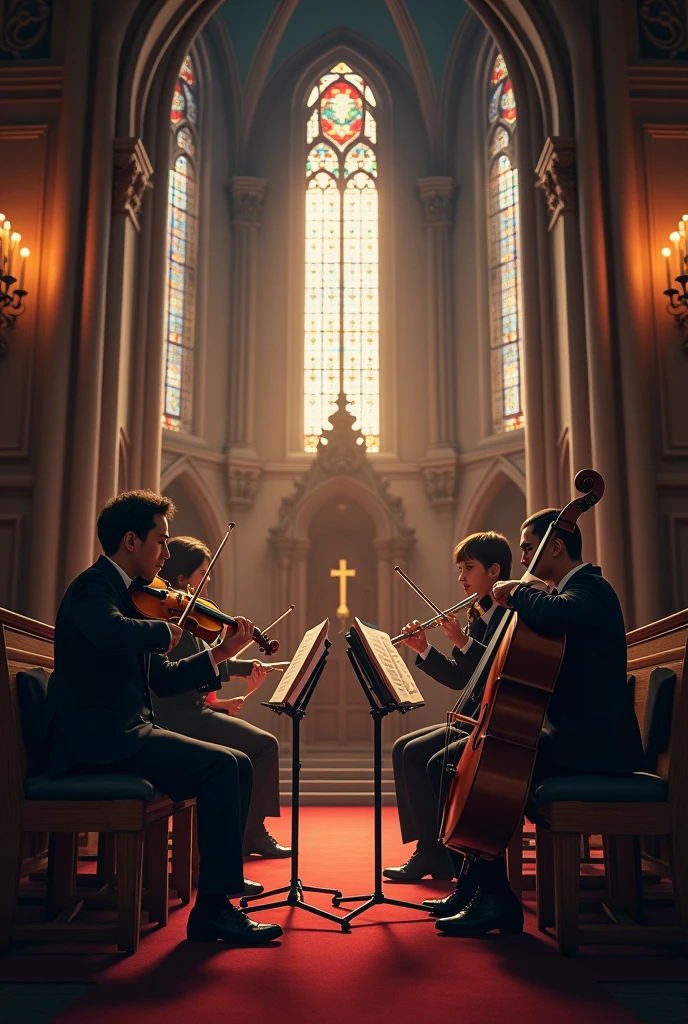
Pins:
x: 390, y: 663
x: 307, y: 655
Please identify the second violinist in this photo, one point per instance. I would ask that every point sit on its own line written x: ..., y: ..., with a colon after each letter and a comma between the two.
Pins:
x: 206, y: 718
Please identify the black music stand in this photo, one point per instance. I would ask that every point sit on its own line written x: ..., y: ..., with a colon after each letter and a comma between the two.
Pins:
x: 296, y: 888
x: 380, y: 706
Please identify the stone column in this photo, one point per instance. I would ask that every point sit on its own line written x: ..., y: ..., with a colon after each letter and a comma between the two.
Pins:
x: 578, y: 22
x: 243, y: 466
x: 556, y: 173
x: 437, y: 196
x: 57, y: 322
x: 634, y: 314
x: 82, y: 496
x: 133, y: 171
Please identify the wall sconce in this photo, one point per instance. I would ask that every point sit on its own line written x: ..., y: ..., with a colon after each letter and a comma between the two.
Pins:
x: 12, y: 259
x: 678, y: 297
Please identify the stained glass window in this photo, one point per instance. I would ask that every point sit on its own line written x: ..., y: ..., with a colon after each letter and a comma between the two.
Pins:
x: 505, y: 347
x: 182, y: 222
x: 341, y: 329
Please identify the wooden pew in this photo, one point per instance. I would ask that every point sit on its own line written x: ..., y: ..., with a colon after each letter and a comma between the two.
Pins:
x: 26, y: 643
x: 622, y: 823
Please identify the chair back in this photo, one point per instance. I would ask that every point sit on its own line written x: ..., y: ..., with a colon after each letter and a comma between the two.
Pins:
x: 24, y: 643
x: 663, y: 644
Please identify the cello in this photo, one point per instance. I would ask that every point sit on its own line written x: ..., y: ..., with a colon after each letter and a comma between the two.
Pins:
x: 489, y: 780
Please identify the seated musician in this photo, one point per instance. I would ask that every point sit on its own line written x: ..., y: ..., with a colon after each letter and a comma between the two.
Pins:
x: 590, y: 726
x: 107, y: 660
x: 482, y: 559
x: 206, y: 717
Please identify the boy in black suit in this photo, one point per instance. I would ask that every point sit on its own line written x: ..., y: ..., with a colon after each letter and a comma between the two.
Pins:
x: 106, y: 661
x: 590, y: 726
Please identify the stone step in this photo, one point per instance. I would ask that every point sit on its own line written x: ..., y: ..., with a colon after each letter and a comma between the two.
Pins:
x: 352, y: 798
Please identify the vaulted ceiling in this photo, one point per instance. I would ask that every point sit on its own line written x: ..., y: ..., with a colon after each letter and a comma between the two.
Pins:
x: 429, y: 26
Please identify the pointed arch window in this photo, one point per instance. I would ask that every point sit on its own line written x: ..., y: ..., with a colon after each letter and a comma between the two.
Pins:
x: 341, y: 328
x: 182, y: 250
x: 505, y: 345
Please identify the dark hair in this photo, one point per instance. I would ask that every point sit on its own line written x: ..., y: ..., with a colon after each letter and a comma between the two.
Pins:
x: 486, y: 548
x: 186, y: 555
x: 539, y: 521
x: 131, y: 510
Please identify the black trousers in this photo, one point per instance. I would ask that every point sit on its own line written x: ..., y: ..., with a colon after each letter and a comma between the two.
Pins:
x: 489, y: 873
x: 261, y: 747
x: 219, y: 779
x: 416, y: 799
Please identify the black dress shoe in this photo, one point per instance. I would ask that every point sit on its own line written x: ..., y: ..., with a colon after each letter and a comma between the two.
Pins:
x: 486, y: 912
x: 250, y: 889
x: 418, y: 866
x: 265, y: 845
x: 454, y: 902
x: 230, y: 925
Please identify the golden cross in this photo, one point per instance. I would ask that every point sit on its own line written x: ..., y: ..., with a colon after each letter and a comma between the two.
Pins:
x: 342, y: 572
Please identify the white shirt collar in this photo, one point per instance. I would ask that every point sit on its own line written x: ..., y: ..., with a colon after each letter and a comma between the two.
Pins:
x: 120, y: 570
x: 562, y: 583
x: 486, y: 616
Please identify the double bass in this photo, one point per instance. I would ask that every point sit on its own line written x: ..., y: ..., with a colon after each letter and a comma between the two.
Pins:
x: 489, y: 781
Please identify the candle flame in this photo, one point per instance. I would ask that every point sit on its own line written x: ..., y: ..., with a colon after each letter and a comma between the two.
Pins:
x: 666, y: 251
x: 24, y: 252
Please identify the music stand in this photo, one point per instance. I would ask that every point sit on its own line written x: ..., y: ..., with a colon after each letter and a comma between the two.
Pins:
x: 296, y: 888
x: 380, y: 706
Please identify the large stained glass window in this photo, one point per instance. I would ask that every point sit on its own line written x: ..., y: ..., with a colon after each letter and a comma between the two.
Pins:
x: 182, y: 223
x: 341, y: 330
x: 505, y: 354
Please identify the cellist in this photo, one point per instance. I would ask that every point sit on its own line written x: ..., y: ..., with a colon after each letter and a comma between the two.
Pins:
x: 590, y: 726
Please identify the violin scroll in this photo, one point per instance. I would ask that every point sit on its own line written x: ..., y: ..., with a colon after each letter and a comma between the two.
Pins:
x: 265, y: 644
x: 591, y: 485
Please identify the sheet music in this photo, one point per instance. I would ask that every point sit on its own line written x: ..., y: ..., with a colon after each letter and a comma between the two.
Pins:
x: 307, y: 656
x: 391, y: 665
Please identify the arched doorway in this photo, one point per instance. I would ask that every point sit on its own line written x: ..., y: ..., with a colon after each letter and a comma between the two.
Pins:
x: 339, y: 715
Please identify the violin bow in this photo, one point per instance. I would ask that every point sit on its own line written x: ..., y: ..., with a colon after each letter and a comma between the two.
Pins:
x: 279, y: 618
x: 197, y: 592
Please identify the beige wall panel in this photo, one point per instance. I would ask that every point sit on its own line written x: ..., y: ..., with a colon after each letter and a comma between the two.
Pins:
x: 10, y: 559
x: 23, y: 150
x: 666, y: 154
x: 678, y: 546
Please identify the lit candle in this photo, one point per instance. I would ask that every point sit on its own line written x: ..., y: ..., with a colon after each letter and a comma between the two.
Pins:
x: 14, y: 240
x: 666, y: 253
x: 674, y: 237
x: 23, y: 253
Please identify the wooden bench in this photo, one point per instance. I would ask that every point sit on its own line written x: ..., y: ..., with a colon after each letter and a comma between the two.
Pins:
x: 26, y: 643
x: 660, y: 816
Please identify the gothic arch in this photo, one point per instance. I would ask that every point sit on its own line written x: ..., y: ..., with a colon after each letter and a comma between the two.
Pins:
x: 184, y: 473
x: 499, y: 472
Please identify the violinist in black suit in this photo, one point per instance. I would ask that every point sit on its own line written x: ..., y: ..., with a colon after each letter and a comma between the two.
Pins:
x: 482, y: 559
x: 107, y: 660
x: 590, y: 726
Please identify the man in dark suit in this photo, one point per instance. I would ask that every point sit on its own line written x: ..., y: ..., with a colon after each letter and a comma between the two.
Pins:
x: 106, y: 661
x: 590, y: 726
x: 481, y: 558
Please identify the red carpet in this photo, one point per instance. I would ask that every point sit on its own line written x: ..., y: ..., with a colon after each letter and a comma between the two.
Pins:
x: 393, y: 966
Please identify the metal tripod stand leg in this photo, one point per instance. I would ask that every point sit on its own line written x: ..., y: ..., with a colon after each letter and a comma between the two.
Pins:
x: 378, y: 896
x: 296, y: 888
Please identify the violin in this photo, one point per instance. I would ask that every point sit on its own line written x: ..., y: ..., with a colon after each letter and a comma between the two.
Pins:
x: 158, y: 600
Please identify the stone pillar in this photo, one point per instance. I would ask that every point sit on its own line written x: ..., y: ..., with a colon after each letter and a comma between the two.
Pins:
x: 243, y: 466
x: 437, y: 196
x: 556, y: 173
x: 578, y: 22
x: 133, y: 171
x: 88, y: 389
x: 290, y: 587
x: 57, y: 322
x: 634, y: 315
